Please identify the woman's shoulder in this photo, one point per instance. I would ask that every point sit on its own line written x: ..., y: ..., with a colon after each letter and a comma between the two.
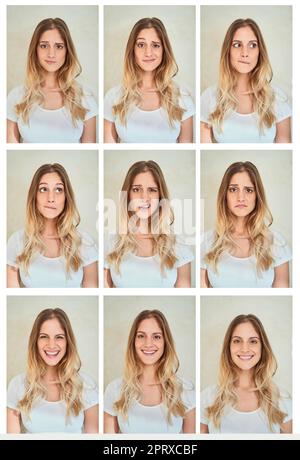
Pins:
x: 86, y: 237
x: 208, y: 237
x: 209, y: 394
x: 114, y: 92
x: 183, y: 251
x: 114, y: 386
x: 88, y: 381
x: 210, y: 92
x: 18, y: 382
x: 17, y: 92
x: 17, y: 236
x: 278, y: 238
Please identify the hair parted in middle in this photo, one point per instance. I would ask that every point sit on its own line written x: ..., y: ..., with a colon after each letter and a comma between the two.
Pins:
x: 166, y: 371
x: 257, y: 222
x: 267, y: 392
x: 160, y: 223
x: 69, y: 381
x: 67, y: 221
x: 263, y: 97
x: 66, y: 76
x: 163, y: 78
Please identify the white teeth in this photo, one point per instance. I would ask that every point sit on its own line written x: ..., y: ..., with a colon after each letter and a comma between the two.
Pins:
x: 246, y: 357
x: 148, y: 352
x: 51, y: 353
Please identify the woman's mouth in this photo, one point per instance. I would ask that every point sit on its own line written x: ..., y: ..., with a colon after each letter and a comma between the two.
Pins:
x: 245, y: 357
x: 51, y: 354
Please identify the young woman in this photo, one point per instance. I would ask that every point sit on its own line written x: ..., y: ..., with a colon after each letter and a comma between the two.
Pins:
x: 150, y: 398
x: 51, y: 106
x: 53, y: 395
x: 148, y: 106
x: 51, y: 251
x: 246, y: 400
x: 243, y: 251
x: 245, y: 107
x: 145, y: 252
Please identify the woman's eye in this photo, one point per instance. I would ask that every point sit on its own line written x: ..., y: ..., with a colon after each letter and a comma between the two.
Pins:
x: 235, y: 45
x: 59, y: 190
x: 232, y: 189
x: 59, y: 47
x: 43, y: 45
x: 153, y: 190
x: 140, y: 45
x: 253, y: 45
x: 249, y: 190
x: 157, y: 337
x: 156, y: 45
x: 135, y: 189
x: 43, y: 189
x: 140, y: 336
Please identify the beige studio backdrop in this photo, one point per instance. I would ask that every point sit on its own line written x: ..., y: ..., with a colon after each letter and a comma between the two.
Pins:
x: 82, y: 169
x: 178, y: 167
x: 83, y: 315
x: 179, y: 22
x: 275, y: 169
x: 275, y: 23
x: 82, y: 22
x: 119, y: 314
x: 275, y: 313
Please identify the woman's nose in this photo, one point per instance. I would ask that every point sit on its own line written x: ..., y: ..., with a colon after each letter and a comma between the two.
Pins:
x: 244, y: 51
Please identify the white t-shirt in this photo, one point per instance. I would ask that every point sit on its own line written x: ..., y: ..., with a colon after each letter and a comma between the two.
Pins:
x: 147, y: 419
x: 237, y: 272
x: 243, y: 128
x: 46, y: 271
x: 47, y: 416
x: 146, y: 125
x: 136, y: 271
x: 234, y: 421
x: 49, y: 125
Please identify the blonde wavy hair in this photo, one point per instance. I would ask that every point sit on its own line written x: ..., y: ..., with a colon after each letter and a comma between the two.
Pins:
x: 69, y: 381
x: 267, y: 392
x: 163, y: 75
x: 160, y: 222
x: 260, y: 77
x: 67, y: 222
x: 166, y: 370
x: 71, y: 91
x: 257, y: 222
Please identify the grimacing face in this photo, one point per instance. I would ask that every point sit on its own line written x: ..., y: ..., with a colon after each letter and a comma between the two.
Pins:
x: 148, y: 50
x: 51, y: 196
x: 144, y: 195
x: 241, y: 195
x: 51, y: 50
x: 244, y: 51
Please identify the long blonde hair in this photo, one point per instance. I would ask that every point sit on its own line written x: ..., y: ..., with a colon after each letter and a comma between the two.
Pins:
x: 67, y: 222
x: 267, y: 392
x: 163, y: 76
x: 259, y: 80
x: 66, y: 75
x: 161, y: 222
x: 257, y: 222
x: 166, y: 371
x: 69, y: 381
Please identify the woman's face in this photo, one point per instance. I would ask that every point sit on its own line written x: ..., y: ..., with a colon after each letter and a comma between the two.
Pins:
x: 52, y: 342
x: 245, y: 346
x: 51, y: 50
x: 144, y: 195
x: 241, y: 195
x: 148, y: 50
x: 50, y: 196
x: 244, y: 51
x: 149, y: 342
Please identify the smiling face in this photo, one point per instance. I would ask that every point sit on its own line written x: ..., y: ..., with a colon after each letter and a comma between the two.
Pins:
x: 148, y: 50
x: 51, y: 50
x: 149, y: 342
x: 245, y: 346
x: 144, y: 195
x: 241, y: 195
x: 244, y: 51
x: 50, y: 196
x: 52, y: 342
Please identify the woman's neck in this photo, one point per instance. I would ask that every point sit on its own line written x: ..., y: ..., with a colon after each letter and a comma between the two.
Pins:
x: 50, y: 81
x: 245, y: 380
x: 148, y: 376
x: 50, y: 228
x: 243, y: 84
x: 240, y: 229
x: 147, y: 82
x: 51, y: 375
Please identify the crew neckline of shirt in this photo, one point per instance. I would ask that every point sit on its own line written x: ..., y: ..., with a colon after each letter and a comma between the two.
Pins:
x: 239, y: 258
x: 148, y: 407
x: 148, y: 111
x: 50, y: 258
x: 50, y: 110
x: 248, y: 412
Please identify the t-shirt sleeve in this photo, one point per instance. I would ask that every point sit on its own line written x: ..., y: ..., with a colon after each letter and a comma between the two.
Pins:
x: 109, y: 241
x: 14, y: 249
x: 184, y: 254
x: 90, y: 392
x: 111, y: 98
x: 15, y: 392
x: 111, y: 395
x: 207, y: 397
x: 189, y: 395
x: 89, y: 250
x: 281, y: 250
x: 207, y: 104
x: 14, y: 97
x: 285, y: 404
x: 89, y: 102
x: 283, y: 108
x: 187, y: 103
